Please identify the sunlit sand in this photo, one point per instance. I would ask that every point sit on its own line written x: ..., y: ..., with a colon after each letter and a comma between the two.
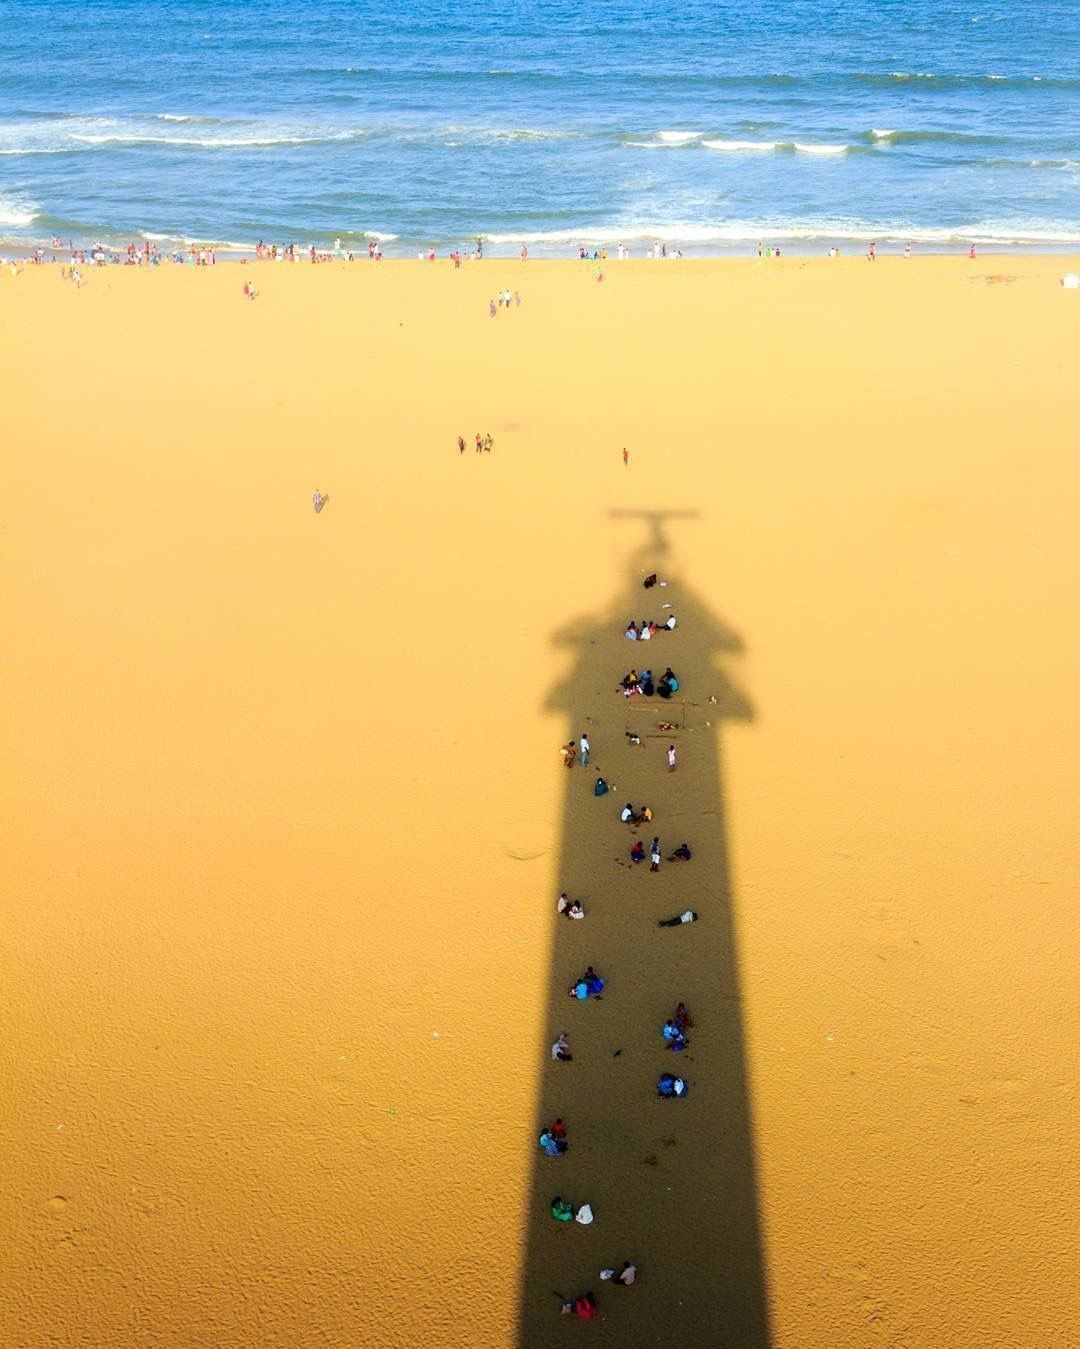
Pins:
x: 285, y: 818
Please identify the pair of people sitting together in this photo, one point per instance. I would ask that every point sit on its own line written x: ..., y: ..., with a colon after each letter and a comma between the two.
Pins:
x: 633, y: 684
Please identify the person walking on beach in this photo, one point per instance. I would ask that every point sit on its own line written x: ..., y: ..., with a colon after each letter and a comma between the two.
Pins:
x: 461, y: 444
x: 318, y: 500
x: 671, y: 758
x: 626, y: 457
x: 479, y: 443
x: 491, y: 308
x: 569, y: 754
x: 971, y: 252
x: 584, y: 746
x: 524, y: 253
x: 871, y: 252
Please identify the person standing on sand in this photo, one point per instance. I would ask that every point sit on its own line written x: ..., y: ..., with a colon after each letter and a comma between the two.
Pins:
x: 971, y: 253
x: 461, y: 444
x: 654, y: 855
x: 524, y: 253
x: 871, y: 252
x: 569, y: 754
x: 491, y: 308
x: 625, y: 457
x: 479, y: 443
x: 583, y: 743
x: 671, y: 758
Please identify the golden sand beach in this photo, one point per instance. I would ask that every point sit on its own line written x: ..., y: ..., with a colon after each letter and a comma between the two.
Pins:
x: 285, y: 818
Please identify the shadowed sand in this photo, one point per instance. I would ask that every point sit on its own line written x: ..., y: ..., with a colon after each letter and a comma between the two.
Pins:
x: 284, y: 818
x: 639, y: 1161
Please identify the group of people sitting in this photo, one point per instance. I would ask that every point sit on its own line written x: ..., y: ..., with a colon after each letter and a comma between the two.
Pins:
x: 649, y: 629
x: 633, y: 684
x: 569, y: 908
x: 562, y: 1211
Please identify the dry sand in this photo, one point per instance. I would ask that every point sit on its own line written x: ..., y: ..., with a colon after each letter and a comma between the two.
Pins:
x: 285, y: 819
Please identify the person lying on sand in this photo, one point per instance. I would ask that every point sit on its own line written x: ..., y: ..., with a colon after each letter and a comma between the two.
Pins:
x: 688, y: 917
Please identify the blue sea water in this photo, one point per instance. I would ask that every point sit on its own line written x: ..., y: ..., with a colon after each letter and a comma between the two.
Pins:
x: 708, y: 125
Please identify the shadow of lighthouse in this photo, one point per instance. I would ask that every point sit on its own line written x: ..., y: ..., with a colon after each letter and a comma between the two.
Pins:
x: 671, y: 1182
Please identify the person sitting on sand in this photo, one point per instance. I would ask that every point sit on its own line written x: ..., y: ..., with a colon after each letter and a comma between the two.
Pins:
x: 646, y: 681
x: 583, y: 1307
x: 561, y: 1209
x: 631, y: 632
x: 682, y: 1017
x: 552, y: 1146
x: 637, y: 852
x: 681, y: 854
x: 668, y: 685
x: 669, y: 624
x: 600, y: 787
x: 649, y: 581
x: 569, y: 908
x: 674, y: 1037
x: 589, y: 985
x: 627, y: 813
x: 647, y: 630
x: 626, y: 1275
x: 630, y: 684
x: 560, y: 1050
x: 689, y: 916
x: 670, y: 1086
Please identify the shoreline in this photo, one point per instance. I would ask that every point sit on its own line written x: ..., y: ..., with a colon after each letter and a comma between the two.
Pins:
x: 41, y: 255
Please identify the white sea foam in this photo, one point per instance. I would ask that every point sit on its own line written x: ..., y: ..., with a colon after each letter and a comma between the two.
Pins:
x: 878, y: 135
x: 742, y: 146
x: 72, y: 134
x: 820, y: 149
x: 777, y: 229
x: 17, y: 210
x: 677, y: 137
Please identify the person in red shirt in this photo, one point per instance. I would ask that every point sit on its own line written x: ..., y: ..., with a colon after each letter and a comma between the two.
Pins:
x: 558, y: 1130
x: 586, y: 1307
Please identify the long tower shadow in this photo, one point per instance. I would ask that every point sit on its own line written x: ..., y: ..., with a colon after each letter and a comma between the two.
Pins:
x: 671, y: 1182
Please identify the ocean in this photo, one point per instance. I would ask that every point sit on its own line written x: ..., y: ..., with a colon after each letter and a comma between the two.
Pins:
x: 704, y: 125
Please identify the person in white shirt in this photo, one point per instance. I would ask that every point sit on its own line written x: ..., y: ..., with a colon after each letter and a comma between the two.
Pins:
x: 688, y: 917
